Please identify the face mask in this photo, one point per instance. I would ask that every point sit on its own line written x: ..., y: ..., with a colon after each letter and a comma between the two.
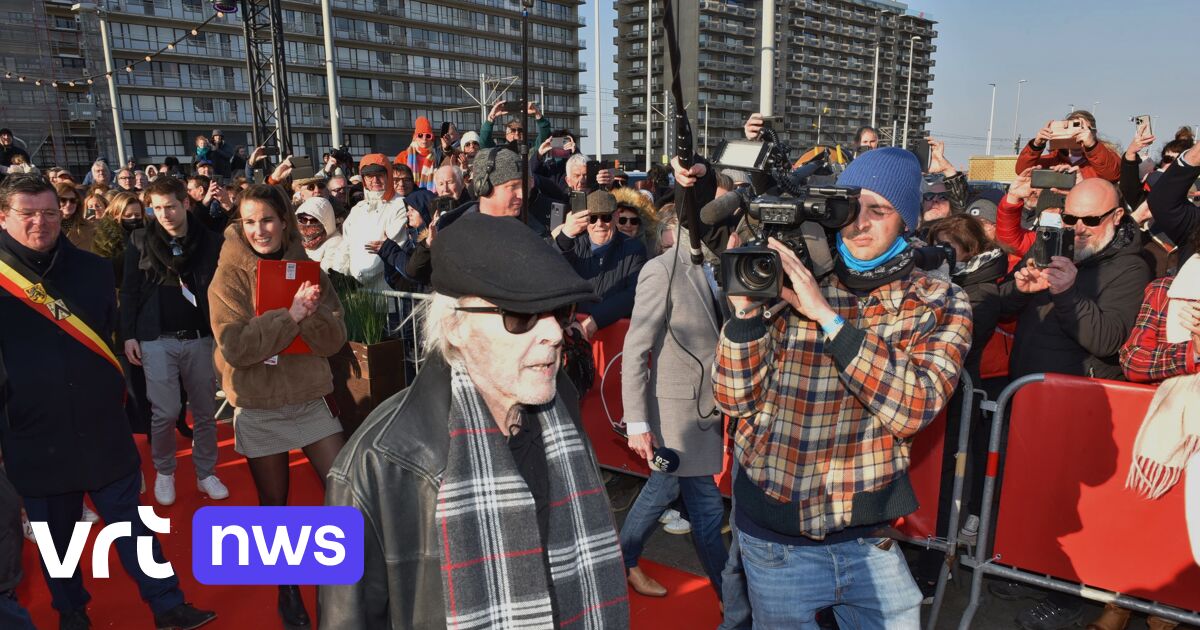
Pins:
x: 132, y: 224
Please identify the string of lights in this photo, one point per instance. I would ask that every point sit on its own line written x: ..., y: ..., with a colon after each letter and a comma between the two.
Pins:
x: 129, y: 65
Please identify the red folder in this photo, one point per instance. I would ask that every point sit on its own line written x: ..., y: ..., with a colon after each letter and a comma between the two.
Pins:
x: 275, y: 287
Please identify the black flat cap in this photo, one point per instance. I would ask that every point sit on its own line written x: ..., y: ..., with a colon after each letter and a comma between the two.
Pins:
x: 373, y: 169
x: 504, y: 262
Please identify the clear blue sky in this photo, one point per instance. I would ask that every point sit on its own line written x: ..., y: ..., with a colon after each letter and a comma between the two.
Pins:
x: 1134, y: 57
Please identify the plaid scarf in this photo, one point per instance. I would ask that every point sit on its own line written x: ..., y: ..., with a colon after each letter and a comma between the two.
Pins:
x: 493, y: 571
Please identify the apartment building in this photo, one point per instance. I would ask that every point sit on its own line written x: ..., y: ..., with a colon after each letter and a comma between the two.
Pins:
x: 396, y: 60
x: 824, y: 70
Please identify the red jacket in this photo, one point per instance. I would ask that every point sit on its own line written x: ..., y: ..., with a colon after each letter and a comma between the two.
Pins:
x: 1010, y: 232
x: 1099, y: 161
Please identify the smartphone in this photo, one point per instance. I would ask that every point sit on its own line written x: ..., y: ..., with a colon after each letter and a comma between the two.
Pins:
x: 514, y: 107
x: 302, y: 167
x: 593, y: 168
x: 578, y: 200
x: 1063, y: 134
x: 921, y: 150
x: 441, y: 205
x: 1045, y: 178
x: 558, y: 214
x: 1052, y: 240
x: 558, y: 143
x: 1142, y: 124
x: 270, y: 151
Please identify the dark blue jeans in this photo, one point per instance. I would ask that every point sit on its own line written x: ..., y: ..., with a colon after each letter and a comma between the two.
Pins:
x: 12, y: 615
x: 116, y: 502
x: 705, y: 511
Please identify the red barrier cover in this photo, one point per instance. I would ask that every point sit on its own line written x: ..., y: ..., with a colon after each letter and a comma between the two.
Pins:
x: 1064, y: 509
x: 925, y: 473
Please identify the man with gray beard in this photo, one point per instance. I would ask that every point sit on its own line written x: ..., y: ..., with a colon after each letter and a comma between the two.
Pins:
x: 1075, y: 314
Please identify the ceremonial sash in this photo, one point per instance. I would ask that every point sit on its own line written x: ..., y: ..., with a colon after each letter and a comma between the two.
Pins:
x: 34, y: 295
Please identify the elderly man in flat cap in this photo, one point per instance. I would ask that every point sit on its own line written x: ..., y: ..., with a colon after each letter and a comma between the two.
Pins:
x: 482, y: 500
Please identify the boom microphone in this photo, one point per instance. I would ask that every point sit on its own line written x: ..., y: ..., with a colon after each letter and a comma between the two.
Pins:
x: 721, y: 208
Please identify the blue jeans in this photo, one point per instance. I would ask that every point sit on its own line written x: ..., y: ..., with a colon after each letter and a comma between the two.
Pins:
x: 868, y: 587
x: 734, y: 597
x: 12, y: 615
x: 705, y: 511
x: 116, y: 502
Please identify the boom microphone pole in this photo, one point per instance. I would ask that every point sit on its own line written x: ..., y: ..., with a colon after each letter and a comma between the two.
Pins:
x: 523, y: 150
x: 683, y: 140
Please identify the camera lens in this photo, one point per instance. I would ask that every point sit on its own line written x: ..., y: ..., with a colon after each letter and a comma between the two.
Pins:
x: 757, y: 272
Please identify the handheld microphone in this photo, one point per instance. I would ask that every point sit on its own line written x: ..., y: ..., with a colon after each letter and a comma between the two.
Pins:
x: 721, y: 208
x: 665, y: 460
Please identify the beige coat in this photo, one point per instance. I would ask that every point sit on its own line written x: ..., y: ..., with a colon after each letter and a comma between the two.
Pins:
x: 245, y: 341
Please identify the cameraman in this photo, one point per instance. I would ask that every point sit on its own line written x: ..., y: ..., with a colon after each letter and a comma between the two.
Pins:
x: 828, y: 400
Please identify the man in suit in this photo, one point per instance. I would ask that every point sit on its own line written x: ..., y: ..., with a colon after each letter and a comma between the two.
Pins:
x: 671, y: 406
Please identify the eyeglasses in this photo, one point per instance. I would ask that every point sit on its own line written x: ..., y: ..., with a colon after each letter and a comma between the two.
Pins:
x: 307, y: 219
x: 313, y: 186
x: 337, y: 191
x: 521, y: 323
x: 629, y: 220
x: 516, y: 130
x: 28, y: 215
x: 935, y: 196
x: 425, y: 136
x: 1095, y: 221
x: 605, y: 218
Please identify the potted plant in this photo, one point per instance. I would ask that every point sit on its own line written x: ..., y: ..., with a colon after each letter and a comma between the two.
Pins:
x: 370, y: 368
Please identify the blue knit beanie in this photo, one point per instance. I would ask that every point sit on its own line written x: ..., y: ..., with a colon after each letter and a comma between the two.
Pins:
x: 894, y: 174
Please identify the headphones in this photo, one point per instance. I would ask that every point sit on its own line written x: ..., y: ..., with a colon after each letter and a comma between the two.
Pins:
x: 481, y: 183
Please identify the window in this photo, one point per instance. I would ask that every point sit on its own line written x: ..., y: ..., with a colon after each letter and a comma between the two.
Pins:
x: 164, y: 143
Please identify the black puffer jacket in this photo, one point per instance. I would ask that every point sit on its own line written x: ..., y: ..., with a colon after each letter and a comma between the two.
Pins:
x: 1081, y: 330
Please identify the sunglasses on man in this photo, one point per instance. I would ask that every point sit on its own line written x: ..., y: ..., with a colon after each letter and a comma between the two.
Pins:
x: 1095, y: 221
x: 521, y: 323
x: 603, y: 218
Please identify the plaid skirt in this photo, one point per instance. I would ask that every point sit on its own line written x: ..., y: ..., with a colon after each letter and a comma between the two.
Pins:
x: 262, y: 432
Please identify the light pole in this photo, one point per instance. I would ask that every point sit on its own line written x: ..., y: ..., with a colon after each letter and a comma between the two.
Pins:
x: 596, y: 70
x: 991, y: 119
x: 649, y: 80
x: 85, y: 8
x: 912, y: 42
x: 331, y: 76
x: 1016, y: 117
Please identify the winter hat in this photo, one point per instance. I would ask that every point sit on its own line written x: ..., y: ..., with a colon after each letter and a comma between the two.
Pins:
x: 468, y: 138
x: 504, y: 162
x: 892, y: 173
x: 422, y: 126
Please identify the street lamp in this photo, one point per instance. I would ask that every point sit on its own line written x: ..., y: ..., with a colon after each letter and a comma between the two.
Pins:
x: 81, y: 9
x: 1016, y: 117
x: 991, y: 119
x: 912, y: 41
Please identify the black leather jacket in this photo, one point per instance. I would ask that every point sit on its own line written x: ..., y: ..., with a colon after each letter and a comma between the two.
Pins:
x: 391, y: 471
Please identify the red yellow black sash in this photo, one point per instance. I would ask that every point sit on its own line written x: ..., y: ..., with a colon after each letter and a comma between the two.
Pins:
x: 35, y: 296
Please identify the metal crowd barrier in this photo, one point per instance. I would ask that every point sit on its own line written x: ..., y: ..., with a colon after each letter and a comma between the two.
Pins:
x: 407, y: 322
x: 1031, y: 551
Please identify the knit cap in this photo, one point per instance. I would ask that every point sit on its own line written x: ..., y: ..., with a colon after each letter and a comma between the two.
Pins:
x: 892, y: 173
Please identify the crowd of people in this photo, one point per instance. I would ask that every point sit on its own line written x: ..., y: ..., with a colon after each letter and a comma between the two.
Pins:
x: 129, y: 299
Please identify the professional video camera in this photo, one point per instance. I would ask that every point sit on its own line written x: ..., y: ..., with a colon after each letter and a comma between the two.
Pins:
x: 800, y: 208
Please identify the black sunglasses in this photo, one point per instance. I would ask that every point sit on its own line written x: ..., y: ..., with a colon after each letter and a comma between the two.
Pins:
x: 1070, y: 219
x: 935, y: 196
x: 629, y: 220
x: 606, y: 218
x: 521, y: 323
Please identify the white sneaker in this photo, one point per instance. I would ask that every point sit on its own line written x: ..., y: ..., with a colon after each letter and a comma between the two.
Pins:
x: 164, y: 489
x: 678, y: 526
x: 668, y: 516
x: 89, y: 515
x: 970, y: 529
x: 213, y: 487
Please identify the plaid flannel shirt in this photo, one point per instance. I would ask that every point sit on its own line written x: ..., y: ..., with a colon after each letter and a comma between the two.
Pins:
x: 818, y: 431
x: 1147, y: 357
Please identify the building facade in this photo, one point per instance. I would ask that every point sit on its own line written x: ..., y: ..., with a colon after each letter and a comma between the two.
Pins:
x: 396, y: 60
x: 824, y: 70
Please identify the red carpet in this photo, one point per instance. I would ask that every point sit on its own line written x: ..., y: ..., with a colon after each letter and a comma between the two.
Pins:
x: 115, y: 602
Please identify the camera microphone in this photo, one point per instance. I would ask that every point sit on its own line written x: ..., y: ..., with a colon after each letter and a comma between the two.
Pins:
x: 721, y: 208
x: 665, y: 460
